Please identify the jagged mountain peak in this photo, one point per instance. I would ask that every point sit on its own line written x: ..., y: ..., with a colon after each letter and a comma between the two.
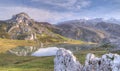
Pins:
x: 22, y: 27
x: 20, y: 18
x: 22, y: 14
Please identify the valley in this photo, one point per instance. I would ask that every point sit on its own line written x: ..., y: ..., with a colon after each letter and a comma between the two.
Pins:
x: 28, y: 45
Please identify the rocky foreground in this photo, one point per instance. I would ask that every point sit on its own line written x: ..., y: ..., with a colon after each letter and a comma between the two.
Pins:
x: 66, y: 61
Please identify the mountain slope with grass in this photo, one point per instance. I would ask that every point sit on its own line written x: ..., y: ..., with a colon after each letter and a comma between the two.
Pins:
x: 94, y: 30
x: 22, y: 27
x: 21, y: 30
x: 79, y: 31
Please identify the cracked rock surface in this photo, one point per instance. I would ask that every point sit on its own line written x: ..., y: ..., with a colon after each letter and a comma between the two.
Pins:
x: 66, y: 61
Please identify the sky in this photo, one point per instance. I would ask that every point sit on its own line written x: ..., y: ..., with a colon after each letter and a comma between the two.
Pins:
x: 55, y: 11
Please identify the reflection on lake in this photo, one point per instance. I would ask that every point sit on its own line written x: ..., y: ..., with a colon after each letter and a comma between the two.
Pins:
x: 48, y: 51
x: 23, y: 50
x: 75, y: 47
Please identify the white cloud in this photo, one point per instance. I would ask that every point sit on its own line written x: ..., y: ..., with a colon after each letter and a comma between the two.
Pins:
x: 66, y: 4
x: 37, y: 14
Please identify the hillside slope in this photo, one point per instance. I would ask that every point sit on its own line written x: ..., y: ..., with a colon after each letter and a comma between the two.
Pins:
x: 22, y: 27
x: 94, y: 30
x: 80, y: 31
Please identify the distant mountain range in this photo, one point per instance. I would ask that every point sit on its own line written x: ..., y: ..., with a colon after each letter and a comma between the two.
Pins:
x: 95, y: 30
x: 97, y: 20
x: 22, y: 27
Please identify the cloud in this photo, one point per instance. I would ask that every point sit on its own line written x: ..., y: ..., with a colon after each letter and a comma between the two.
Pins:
x: 37, y: 14
x: 65, y: 4
x: 41, y: 10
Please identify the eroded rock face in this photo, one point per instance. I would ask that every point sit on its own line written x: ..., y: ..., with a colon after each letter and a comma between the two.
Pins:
x: 108, y: 62
x: 91, y: 63
x: 66, y: 61
x: 21, y: 18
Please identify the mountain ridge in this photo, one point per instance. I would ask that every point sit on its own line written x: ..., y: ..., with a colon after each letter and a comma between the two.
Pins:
x: 23, y: 27
x: 110, y: 30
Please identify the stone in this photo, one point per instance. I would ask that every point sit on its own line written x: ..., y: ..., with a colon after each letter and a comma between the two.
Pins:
x: 66, y: 61
x: 108, y: 62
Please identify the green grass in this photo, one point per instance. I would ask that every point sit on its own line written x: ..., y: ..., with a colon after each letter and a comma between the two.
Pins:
x: 58, y: 39
x: 81, y: 55
x: 30, y: 63
x: 7, y: 44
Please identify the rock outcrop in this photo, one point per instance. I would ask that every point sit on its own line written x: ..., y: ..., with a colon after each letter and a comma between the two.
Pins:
x: 22, y: 27
x: 66, y: 61
x: 108, y: 62
x: 21, y: 18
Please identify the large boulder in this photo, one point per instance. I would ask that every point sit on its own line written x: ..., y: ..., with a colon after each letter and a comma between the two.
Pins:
x: 108, y: 62
x: 66, y: 61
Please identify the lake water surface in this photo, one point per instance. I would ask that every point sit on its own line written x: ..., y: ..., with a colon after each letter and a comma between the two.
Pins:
x: 46, y: 51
